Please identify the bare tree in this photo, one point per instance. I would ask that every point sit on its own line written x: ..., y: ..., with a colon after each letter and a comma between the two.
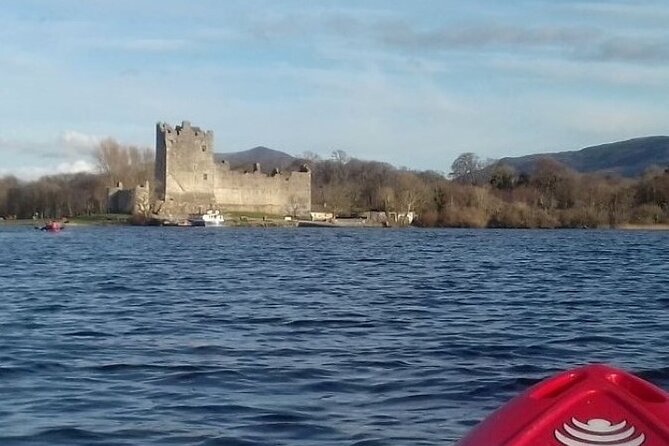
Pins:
x: 310, y: 157
x: 465, y: 168
x: 386, y: 198
x: 293, y: 205
x: 112, y: 160
x: 129, y: 165
x: 7, y: 184
x: 556, y: 182
x: 503, y: 177
x: 411, y: 192
x: 340, y: 156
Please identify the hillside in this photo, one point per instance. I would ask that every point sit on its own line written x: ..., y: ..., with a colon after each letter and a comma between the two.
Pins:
x: 268, y: 159
x: 628, y: 158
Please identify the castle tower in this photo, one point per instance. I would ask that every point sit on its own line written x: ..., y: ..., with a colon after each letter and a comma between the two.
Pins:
x: 189, y: 180
x: 184, y: 166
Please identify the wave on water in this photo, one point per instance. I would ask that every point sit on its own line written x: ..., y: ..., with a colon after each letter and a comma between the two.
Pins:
x: 304, y: 338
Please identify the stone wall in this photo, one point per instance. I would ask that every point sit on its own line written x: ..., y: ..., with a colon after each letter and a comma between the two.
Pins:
x: 128, y: 201
x: 189, y: 180
x: 278, y: 193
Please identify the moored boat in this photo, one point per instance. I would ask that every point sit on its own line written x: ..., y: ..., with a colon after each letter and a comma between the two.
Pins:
x: 591, y: 406
x: 209, y: 218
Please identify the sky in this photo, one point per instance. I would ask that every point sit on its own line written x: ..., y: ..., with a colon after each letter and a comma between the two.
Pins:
x: 414, y: 83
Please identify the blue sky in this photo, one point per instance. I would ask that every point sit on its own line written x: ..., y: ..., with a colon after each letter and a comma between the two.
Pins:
x: 413, y: 83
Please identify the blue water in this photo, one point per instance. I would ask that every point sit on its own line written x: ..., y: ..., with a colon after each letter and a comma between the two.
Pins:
x: 172, y: 336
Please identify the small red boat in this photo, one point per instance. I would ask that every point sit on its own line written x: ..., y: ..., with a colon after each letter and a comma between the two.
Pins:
x: 53, y: 226
x: 595, y: 405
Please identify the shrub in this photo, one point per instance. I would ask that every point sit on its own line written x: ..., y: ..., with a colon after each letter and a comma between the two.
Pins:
x: 466, y: 217
x: 582, y: 217
x: 427, y: 219
x: 647, y: 214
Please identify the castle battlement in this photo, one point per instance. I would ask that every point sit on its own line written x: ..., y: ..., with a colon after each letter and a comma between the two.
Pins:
x: 185, y: 130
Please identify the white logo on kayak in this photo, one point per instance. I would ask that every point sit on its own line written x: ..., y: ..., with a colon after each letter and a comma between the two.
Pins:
x: 598, y: 432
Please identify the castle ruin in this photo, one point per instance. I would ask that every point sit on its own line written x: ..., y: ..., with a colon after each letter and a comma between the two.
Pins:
x: 188, y: 179
x: 128, y: 201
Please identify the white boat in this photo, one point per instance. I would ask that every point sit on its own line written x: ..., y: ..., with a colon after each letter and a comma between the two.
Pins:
x: 209, y: 218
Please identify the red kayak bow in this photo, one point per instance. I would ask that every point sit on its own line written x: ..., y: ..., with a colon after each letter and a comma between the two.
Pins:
x: 595, y: 405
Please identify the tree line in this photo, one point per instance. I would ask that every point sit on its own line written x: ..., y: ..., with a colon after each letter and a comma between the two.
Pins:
x: 74, y: 195
x: 489, y: 194
x: 474, y: 194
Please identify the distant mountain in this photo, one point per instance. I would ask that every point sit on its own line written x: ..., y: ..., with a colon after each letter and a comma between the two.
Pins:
x: 628, y: 158
x: 268, y: 159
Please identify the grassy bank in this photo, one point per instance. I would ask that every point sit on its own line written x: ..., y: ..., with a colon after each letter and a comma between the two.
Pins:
x: 100, y: 219
x: 86, y: 220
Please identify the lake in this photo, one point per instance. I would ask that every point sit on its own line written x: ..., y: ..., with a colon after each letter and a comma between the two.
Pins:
x: 228, y: 336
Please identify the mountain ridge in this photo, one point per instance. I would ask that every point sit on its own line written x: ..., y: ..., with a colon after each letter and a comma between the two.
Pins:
x: 269, y: 159
x: 628, y: 158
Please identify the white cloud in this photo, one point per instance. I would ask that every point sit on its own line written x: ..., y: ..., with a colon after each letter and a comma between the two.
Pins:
x: 24, y: 173
x: 76, y: 166
x: 405, y: 85
x: 72, y: 139
x: 70, y: 152
x: 68, y: 144
x: 31, y: 173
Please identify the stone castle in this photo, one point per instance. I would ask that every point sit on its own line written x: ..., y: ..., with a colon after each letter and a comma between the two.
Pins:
x: 189, y: 179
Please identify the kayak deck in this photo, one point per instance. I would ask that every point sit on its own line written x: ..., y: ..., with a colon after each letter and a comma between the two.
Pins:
x: 595, y: 405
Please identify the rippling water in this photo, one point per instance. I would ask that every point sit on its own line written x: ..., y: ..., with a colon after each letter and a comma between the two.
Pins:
x: 147, y: 336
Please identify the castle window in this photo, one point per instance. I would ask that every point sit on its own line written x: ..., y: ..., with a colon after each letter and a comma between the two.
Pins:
x: 204, y: 147
x: 204, y: 176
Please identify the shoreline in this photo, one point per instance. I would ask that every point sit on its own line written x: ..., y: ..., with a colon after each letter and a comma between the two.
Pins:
x: 637, y: 227
x: 236, y: 222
